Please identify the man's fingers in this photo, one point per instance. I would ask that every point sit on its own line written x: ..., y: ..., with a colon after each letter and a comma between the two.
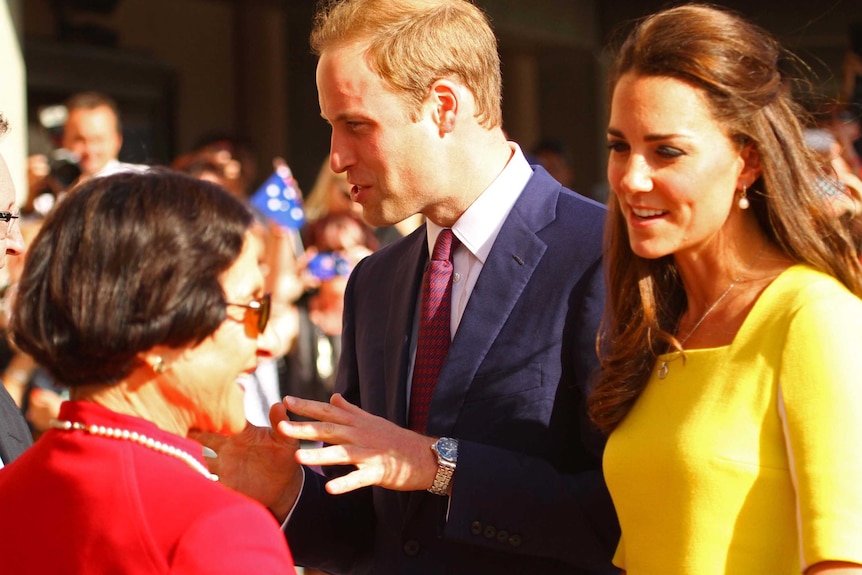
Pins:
x: 337, y: 400
x: 312, y: 431
x: 354, y: 480
x: 317, y: 410
x: 330, y: 455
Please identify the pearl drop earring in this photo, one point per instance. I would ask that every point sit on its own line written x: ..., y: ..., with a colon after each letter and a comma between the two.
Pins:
x: 743, y: 199
x: 159, y: 365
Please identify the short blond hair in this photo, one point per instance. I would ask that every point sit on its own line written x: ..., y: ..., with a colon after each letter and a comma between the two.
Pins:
x: 413, y: 43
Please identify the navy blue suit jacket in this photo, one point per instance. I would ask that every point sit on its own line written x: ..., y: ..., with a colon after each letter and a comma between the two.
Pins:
x: 15, y: 436
x: 528, y: 493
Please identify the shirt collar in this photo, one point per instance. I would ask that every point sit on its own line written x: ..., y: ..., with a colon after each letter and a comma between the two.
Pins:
x: 477, y: 228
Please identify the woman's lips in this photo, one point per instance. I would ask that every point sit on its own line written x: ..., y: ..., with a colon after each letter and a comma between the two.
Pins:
x: 647, y: 213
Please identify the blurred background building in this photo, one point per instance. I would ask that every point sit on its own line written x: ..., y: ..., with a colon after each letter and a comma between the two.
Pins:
x: 182, y: 70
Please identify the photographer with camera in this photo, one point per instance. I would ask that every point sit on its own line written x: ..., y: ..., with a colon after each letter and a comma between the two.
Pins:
x: 90, y: 144
x: 93, y: 134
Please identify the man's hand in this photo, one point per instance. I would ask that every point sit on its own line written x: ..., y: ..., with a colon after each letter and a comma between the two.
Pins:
x: 259, y: 463
x: 384, y: 453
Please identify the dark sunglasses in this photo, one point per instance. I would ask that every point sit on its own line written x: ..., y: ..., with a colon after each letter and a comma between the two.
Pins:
x: 261, y: 308
x: 9, y: 218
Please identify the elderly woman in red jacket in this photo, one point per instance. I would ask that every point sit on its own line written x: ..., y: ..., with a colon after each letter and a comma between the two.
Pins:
x: 142, y: 294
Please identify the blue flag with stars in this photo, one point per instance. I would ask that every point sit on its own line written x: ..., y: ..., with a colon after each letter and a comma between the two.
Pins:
x: 280, y: 199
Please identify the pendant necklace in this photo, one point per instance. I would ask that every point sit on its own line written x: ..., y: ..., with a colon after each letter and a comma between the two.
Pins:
x: 140, y: 439
x: 663, y: 366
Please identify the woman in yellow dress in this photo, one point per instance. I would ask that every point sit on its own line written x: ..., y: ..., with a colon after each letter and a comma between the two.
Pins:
x: 730, y: 383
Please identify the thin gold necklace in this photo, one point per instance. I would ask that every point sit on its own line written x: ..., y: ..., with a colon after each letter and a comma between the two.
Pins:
x: 663, y: 366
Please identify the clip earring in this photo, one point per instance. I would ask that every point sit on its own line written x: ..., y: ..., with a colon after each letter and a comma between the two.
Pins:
x: 159, y: 366
x: 743, y: 199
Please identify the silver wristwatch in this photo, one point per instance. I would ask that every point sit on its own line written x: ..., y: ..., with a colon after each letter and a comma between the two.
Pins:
x: 446, y: 450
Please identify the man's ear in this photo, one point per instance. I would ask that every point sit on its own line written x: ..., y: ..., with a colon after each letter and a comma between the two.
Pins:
x: 445, y: 99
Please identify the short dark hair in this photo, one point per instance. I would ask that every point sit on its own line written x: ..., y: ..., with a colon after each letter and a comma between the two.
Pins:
x: 124, y: 263
x: 90, y: 101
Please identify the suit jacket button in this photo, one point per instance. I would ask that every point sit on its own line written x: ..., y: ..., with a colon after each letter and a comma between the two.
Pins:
x: 490, y: 531
x: 476, y: 528
x: 502, y: 536
x: 515, y: 540
x: 411, y: 547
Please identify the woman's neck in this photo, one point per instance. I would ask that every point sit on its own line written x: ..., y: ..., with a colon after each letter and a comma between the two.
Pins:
x: 721, y: 293
x: 137, y: 397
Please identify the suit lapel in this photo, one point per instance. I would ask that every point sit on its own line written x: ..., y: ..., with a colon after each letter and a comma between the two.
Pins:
x: 514, y: 257
x: 399, y: 329
x: 400, y: 326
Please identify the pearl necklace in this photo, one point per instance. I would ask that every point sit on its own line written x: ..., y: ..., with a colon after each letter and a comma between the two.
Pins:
x: 140, y: 439
x: 663, y: 367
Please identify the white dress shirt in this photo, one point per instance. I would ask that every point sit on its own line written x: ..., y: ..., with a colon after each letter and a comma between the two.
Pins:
x: 477, y: 229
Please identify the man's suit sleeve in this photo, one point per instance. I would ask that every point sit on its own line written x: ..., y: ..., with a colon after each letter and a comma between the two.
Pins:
x: 334, y: 532
x: 331, y: 532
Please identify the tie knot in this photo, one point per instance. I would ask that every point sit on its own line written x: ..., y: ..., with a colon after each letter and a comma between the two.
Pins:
x: 444, y: 246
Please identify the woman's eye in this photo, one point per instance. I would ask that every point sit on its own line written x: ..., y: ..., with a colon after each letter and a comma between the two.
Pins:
x: 668, y: 152
x: 617, y: 146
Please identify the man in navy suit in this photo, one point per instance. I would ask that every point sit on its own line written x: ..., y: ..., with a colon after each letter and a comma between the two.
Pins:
x: 411, y: 90
x: 14, y: 434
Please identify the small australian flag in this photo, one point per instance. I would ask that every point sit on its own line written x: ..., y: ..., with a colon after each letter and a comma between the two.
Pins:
x: 280, y: 199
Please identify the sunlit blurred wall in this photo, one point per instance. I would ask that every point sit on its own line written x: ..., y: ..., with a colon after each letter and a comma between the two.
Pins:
x: 13, y: 94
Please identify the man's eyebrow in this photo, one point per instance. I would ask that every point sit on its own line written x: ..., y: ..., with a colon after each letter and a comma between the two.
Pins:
x: 346, y: 116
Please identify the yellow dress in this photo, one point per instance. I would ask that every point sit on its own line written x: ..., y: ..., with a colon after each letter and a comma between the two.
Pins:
x: 747, y: 459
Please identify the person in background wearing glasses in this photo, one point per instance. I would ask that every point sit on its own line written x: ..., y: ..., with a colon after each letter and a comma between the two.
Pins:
x: 9, y: 218
x: 14, y: 433
x: 143, y: 295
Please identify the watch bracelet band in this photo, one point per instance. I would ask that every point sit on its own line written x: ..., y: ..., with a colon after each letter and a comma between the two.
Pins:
x: 443, y: 479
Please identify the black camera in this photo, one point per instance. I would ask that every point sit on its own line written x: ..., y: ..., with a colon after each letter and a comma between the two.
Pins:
x: 64, y: 168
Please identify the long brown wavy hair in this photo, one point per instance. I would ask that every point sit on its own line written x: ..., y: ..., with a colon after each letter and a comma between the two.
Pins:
x: 738, y: 67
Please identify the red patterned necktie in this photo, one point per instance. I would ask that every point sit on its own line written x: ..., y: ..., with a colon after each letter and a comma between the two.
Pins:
x: 434, y: 335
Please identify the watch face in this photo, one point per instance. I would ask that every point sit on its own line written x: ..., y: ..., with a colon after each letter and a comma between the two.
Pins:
x: 447, y: 448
